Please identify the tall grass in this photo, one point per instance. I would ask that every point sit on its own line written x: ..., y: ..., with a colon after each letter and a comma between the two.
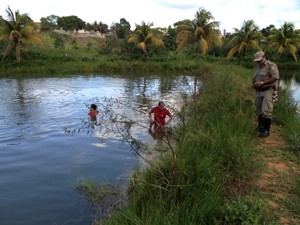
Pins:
x: 287, y: 116
x: 214, y: 157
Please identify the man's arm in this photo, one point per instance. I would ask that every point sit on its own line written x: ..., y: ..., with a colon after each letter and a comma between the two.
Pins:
x: 259, y: 84
x: 169, y: 120
x: 150, y: 116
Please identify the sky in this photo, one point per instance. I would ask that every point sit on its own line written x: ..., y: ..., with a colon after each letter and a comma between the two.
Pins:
x: 163, y: 13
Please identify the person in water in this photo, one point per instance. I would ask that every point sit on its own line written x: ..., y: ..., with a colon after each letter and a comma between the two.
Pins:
x: 160, y: 113
x: 93, y: 112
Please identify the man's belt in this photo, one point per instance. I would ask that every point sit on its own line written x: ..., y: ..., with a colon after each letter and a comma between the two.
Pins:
x: 265, y: 89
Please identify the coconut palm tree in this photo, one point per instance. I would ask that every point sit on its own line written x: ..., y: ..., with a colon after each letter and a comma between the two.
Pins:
x: 15, y: 29
x: 143, y: 36
x: 248, y: 37
x: 202, y: 31
x: 285, y: 40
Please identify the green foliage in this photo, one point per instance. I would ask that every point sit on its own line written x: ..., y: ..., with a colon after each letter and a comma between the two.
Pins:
x: 58, y: 41
x: 110, y: 47
x: 49, y: 23
x: 129, y: 51
x: 89, y: 44
x: 70, y: 23
x: 17, y: 28
x: 202, y: 31
x: 294, y: 203
x: 169, y: 39
x: 287, y: 117
x: 245, y: 211
x: 122, y: 29
x: 245, y: 39
x: 286, y: 40
x: 98, y: 194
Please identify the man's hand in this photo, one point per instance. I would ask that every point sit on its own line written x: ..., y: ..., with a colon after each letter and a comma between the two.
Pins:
x: 258, y: 84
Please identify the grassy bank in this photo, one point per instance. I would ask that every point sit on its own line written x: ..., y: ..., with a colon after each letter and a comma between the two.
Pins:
x: 209, y: 177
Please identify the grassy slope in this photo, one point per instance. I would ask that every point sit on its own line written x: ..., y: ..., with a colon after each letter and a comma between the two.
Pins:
x: 220, y: 172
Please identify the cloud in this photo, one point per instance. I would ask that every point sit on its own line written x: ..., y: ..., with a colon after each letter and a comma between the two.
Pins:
x: 177, y: 4
x: 230, y: 13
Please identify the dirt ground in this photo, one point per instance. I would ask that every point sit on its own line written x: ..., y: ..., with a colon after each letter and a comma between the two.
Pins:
x: 274, y: 183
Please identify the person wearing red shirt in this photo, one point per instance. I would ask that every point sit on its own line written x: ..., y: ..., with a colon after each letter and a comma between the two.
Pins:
x: 160, y: 113
x: 93, y: 112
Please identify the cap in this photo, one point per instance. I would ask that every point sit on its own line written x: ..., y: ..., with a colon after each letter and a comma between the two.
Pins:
x: 258, y: 56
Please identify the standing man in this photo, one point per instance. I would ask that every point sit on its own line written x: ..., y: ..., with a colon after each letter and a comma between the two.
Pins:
x: 265, y: 78
x: 160, y: 113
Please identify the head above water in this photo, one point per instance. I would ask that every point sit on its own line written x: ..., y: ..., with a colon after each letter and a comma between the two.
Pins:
x: 94, y: 106
x: 161, y: 103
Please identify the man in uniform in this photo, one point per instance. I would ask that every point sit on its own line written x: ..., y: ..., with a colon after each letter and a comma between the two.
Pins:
x: 265, y: 78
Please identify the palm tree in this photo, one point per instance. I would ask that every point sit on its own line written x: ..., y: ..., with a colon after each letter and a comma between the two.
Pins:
x: 285, y: 40
x: 202, y: 30
x: 248, y: 37
x: 143, y: 36
x: 15, y: 29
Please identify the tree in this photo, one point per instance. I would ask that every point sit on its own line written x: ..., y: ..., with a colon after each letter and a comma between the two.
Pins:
x: 285, y: 40
x: 16, y: 28
x: 248, y: 37
x: 268, y: 30
x: 122, y: 29
x: 202, y: 31
x: 49, y: 23
x: 102, y: 28
x: 143, y: 36
x: 169, y: 39
x: 70, y: 23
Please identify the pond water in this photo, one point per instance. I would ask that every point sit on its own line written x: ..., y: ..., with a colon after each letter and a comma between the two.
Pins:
x: 48, y: 145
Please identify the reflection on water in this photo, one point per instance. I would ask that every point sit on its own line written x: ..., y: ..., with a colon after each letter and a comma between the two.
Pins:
x: 43, y: 152
x: 294, y: 87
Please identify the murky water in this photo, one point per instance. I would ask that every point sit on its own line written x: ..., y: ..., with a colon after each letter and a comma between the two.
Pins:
x: 41, y: 163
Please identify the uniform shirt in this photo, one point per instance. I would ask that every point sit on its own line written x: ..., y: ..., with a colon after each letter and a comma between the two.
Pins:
x: 267, y: 71
x: 160, y: 115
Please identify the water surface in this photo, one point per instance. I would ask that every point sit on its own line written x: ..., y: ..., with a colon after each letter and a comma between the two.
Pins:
x: 40, y: 163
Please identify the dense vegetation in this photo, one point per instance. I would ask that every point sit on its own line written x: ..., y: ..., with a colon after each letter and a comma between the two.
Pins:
x: 197, y: 38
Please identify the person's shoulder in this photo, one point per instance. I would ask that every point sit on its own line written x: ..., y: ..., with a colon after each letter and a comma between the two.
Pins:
x: 154, y: 108
x: 272, y: 67
x: 270, y: 63
x: 166, y: 110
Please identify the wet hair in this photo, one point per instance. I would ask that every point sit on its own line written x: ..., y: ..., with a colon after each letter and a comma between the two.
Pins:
x: 161, y: 103
x: 93, y: 106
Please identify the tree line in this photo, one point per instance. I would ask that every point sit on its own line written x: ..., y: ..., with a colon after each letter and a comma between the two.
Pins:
x: 199, y: 36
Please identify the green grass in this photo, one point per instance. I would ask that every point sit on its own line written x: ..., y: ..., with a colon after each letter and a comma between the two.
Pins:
x: 214, y: 152
x: 216, y: 160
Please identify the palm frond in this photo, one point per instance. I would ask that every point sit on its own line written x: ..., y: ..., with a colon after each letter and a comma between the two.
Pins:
x: 203, y: 45
x: 232, y: 52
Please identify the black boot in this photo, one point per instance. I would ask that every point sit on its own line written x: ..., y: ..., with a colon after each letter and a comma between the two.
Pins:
x: 266, y: 129
x: 260, y: 123
x: 267, y: 124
